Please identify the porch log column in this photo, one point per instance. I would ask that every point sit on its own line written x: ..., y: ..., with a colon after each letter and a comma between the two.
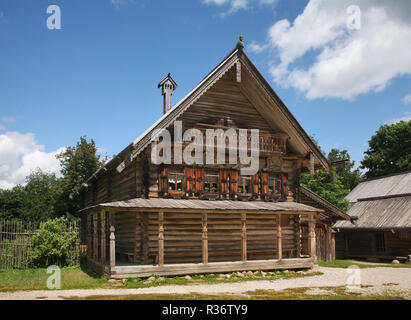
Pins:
x: 298, y: 235
x: 103, y: 237
x: 89, y: 248
x: 144, y: 238
x: 95, y: 237
x: 112, y: 241
x: 332, y: 245
x: 161, y: 238
x: 204, y: 237
x: 311, y: 238
x: 244, y: 237
x: 279, y: 239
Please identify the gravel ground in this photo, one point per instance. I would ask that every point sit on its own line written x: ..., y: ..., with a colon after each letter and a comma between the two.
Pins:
x: 373, y: 280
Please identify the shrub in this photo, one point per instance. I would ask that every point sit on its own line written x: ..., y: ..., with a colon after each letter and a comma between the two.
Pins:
x: 55, y: 244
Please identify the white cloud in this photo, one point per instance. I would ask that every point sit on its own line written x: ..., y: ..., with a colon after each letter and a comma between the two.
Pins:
x: 2, y: 127
x: 235, y: 5
x: 406, y: 118
x: 8, y: 119
x: 119, y: 3
x: 344, y: 62
x: 20, y: 155
x: 406, y: 99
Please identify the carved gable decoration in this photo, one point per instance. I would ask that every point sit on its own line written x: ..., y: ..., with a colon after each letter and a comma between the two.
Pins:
x: 274, y: 163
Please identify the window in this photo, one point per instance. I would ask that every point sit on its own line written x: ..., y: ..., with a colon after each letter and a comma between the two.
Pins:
x: 274, y: 184
x: 211, y: 181
x: 380, y: 242
x: 244, y: 184
x: 175, y: 180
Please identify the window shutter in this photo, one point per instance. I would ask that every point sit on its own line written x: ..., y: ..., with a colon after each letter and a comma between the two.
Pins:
x: 255, y: 181
x: 162, y: 180
x: 264, y: 183
x: 234, y: 182
x: 223, y: 177
x: 199, y: 180
x: 284, y: 180
x: 189, y: 178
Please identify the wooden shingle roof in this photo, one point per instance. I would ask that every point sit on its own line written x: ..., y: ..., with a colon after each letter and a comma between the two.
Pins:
x: 384, y: 213
x: 395, y: 184
x: 158, y: 204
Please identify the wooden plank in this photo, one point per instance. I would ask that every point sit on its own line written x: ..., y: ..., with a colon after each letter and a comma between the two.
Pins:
x: 121, y: 272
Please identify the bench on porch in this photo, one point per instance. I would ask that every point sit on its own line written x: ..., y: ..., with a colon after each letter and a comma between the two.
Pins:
x: 129, y: 256
x: 196, y: 254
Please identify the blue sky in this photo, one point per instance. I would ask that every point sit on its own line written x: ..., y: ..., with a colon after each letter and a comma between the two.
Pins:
x: 98, y: 75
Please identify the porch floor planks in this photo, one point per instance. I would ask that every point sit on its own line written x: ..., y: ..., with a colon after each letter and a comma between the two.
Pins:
x: 121, y: 272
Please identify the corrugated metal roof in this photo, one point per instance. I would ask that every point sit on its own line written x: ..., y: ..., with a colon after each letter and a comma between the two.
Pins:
x: 384, y: 186
x: 210, y: 205
x: 385, y: 213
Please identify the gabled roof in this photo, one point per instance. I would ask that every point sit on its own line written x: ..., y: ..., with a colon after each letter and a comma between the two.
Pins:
x: 395, y: 184
x: 268, y: 96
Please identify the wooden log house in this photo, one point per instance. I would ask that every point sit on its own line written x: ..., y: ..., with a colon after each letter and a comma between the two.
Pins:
x: 142, y: 219
x: 381, y: 220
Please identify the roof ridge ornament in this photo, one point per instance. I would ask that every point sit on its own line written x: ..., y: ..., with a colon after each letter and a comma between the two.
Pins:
x: 240, y: 43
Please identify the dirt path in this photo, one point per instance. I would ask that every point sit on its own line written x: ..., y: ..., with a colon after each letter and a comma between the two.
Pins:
x: 373, y: 280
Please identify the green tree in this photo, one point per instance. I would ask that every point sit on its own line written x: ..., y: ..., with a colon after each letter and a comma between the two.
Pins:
x: 323, y: 184
x: 349, y: 176
x: 78, y: 163
x: 33, y: 202
x: 11, y: 203
x: 389, y: 150
x: 39, y: 197
x: 334, y: 187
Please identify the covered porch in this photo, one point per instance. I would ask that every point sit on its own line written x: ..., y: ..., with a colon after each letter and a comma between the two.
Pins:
x: 141, y: 237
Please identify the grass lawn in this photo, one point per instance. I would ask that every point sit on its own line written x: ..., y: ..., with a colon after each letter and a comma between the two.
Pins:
x: 347, y: 263
x: 36, y: 279
x: 75, y: 278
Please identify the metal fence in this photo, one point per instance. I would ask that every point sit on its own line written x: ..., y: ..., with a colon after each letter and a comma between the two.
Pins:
x: 16, y: 243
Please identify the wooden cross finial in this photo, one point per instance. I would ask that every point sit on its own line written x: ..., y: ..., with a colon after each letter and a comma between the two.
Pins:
x: 240, y: 43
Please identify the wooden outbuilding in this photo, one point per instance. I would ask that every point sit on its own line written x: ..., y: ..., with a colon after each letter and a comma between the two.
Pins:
x: 142, y: 218
x: 381, y: 220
